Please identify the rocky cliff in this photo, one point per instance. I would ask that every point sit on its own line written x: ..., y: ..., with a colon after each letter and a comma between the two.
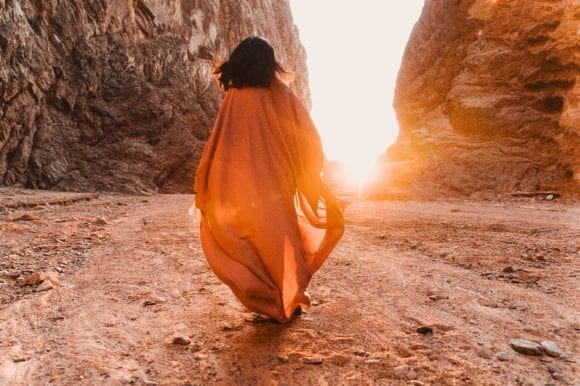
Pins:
x: 488, y: 99
x: 118, y: 95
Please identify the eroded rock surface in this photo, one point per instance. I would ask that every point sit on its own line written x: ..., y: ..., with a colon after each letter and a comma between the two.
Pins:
x: 118, y: 95
x: 488, y: 99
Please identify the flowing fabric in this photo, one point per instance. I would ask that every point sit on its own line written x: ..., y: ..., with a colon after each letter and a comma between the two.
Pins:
x: 268, y: 221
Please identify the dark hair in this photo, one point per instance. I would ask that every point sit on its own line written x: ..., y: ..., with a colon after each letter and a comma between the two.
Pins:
x: 251, y: 63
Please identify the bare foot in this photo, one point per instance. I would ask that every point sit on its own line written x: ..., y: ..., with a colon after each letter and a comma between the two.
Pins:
x: 256, y: 318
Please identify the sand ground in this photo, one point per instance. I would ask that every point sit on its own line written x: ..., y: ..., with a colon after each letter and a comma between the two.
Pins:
x: 129, y: 276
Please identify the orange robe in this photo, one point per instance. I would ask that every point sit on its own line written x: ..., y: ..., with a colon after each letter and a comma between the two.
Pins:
x: 268, y: 221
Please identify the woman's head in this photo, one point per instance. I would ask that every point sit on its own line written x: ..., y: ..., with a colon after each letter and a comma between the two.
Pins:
x: 252, y: 63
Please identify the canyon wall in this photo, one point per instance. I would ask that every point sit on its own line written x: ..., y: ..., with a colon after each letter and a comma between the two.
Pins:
x: 118, y: 95
x: 488, y: 100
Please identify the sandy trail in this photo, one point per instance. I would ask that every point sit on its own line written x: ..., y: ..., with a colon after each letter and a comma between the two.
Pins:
x: 132, y: 277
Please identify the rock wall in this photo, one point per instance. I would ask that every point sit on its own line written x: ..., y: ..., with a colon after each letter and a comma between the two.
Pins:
x: 118, y: 95
x: 488, y: 100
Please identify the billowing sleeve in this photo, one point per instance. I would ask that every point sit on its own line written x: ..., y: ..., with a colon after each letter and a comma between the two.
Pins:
x: 311, y: 188
x: 202, y: 173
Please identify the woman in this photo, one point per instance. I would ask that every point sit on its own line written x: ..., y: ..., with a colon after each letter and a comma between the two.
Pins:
x: 268, y: 221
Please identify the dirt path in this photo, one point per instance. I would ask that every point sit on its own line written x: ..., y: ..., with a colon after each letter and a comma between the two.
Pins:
x: 129, y: 276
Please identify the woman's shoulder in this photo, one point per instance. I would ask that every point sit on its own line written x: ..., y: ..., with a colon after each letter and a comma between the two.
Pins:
x: 278, y: 89
x: 280, y: 85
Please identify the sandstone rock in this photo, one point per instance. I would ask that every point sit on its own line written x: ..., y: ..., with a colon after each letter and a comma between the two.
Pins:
x: 118, y: 95
x: 401, y: 371
x: 100, y: 221
x: 438, y: 297
x: 526, y: 347
x: 30, y: 280
x: 554, y: 369
x: 360, y: 353
x: 283, y: 358
x: 153, y: 300
x: 181, y: 340
x: 11, y: 275
x: 562, y: 378
x: 503, y: 356
x: 51, y: 277
x: 312, y: 361
x: 424, y: 330
x: 44, y: 286
x: 488, y: 100
x: 552, y: 349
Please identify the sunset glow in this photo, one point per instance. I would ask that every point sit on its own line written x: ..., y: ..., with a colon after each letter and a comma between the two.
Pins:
x: 354, y: 53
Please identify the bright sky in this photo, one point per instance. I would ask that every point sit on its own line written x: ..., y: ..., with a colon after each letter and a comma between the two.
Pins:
x: 354, y: 52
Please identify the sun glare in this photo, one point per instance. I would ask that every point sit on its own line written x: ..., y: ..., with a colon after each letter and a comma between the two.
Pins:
x: 354, y: 54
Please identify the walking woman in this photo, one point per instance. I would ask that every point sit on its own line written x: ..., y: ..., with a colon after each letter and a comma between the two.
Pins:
x: 268, y: 221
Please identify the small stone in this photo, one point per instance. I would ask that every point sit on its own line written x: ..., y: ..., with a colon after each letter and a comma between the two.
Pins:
x: 19, y: 359
x: 552, y: 368
x: 153, y: 301
x: 181, y: 340
x: 411, y: 375
x: 30, y: 280
x: 552, y: 349
x: 52, y: 277
x: 199, y: 356
x: 283, y: 358
x: 415, y: 245
x: 526, y: 347
x: 44, y: 286
x: 508, y: 270
x: 26, y: 217
x: 416, y: 383
x: 401, y: 371
x: 562, y: 378
x: 549, y: 197
x: 360, y: 353
x: 438, y: 297
x: 100, y: 221
x: 568, y: 357
x: 232, y: 327
x: 20, y: 282
x: 424, y: 330
x: 11, y: 275
x: 373, y: 361
x: 503, y: 356
x: 312, y: 361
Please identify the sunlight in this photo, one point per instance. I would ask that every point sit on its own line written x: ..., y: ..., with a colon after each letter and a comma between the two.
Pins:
x: 354, y: 54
